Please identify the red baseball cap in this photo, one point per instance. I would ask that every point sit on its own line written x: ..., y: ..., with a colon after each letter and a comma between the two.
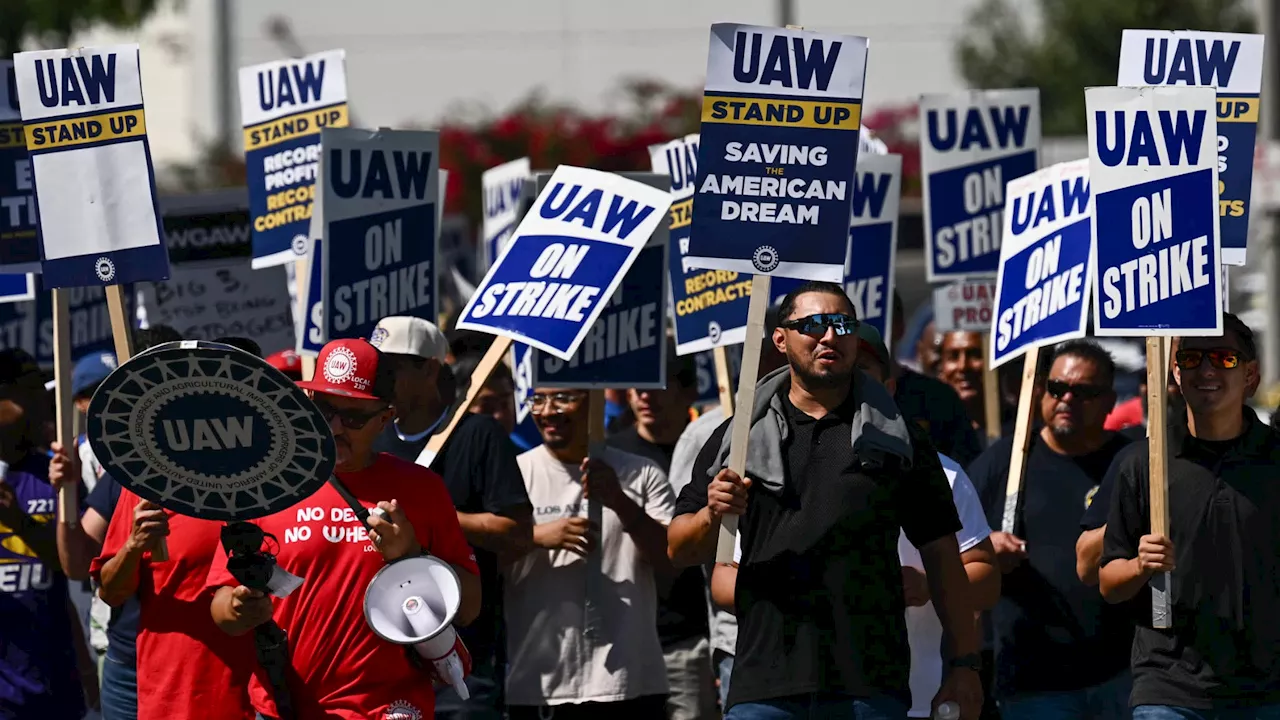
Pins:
x: 351, y: 368
x: 287, y: 362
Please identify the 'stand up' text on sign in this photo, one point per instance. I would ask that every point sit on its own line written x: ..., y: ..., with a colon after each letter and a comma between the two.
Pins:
x: 780, y: 121
x: 1154, y: 177
x: 972, y: 145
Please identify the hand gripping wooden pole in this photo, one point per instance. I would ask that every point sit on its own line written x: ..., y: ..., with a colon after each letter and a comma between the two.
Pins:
x: 1021, y: 442
x: 68, y: 500
x: 1157, y: 427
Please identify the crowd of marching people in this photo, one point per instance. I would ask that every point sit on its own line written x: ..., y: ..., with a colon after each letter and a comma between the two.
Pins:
x: 871, y: 577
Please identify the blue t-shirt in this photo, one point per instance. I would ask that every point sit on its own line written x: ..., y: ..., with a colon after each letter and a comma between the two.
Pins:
x: 38, y: 673
x: 122, y: 631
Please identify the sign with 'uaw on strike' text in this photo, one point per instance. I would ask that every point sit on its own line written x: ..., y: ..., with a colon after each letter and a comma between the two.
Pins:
x: 567, y: 258
x: 1231, y: 62
x: 873, y: 240
x: 86, y: 133
x: 19, y: 246
x: 1043, y: 285
x: 780, y: 133
x: 283, y: 106
x: 1157, y: 266
x: 380, y: 213
x: 971, y: 145
x: 501, y: 187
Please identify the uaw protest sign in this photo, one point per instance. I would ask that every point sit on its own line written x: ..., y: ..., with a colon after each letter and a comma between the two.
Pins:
x: 873, y: 239
x: 1042, y: 290
x: 1232, y: 63
x: 19, y: 247
x: 284, y: 105
x: 501, y: 187
x: 971, y: 145
x: 1154, y: 176
x: 380, y: 214
x: 567, y: 258
x: 86, y: 133
x: 780, y: 119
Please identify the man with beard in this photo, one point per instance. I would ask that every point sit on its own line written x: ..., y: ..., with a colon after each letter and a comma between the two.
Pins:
x: 833, y: 476
x: 1221, y: 658
x: 1060, y: 652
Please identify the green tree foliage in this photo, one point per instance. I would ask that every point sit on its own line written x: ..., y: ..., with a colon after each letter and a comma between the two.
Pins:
x: 1074, y: 44
x: 51, y: 22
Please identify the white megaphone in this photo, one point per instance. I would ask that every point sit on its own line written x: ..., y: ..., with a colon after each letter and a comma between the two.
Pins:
x: 412, y: 602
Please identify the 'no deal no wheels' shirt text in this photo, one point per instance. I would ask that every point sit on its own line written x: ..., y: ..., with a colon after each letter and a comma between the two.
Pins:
x: 567, y: 257
x: 1155, y: 178
x: 780, y: 121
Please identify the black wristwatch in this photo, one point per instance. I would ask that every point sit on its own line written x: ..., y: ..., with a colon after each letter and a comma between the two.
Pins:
x: 972, y: 661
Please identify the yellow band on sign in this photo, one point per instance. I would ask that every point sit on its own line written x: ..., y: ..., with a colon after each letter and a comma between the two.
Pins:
x: 86, y: 130
x: 781, y: 113
x: 1238, y: 109
x: 12, y: 135
x: 681, y: 214
x: 277, y: 131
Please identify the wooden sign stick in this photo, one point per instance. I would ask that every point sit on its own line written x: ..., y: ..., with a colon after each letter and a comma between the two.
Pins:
x: 595, y: 515
x: 1021, y: 442
x: 990, y: 394
x: 1157, y: 418
x: 492, y: 357
x: 723, y: 380
x: 68, y: 502
x: 760, y: 289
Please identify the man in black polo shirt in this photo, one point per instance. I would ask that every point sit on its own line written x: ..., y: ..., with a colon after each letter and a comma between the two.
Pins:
x: 1060, y: 650
x: 820, y: 607
x: 1221, y: 659
x: 478, y: 464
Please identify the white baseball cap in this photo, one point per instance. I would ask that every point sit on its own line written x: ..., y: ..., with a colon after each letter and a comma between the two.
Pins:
x: 405, y: 335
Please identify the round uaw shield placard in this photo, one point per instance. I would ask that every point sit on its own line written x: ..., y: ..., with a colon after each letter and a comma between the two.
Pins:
x: 209, y: 431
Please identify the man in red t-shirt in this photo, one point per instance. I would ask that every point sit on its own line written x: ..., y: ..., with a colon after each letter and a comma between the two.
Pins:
x: 339, y: 668
x: 187, y: 667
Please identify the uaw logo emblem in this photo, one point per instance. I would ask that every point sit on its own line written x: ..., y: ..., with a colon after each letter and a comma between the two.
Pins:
x: 211, y: 432
x: 299, y: 244
x: 713, y: 331
x: 380, y: 334
x: 340, y: 366
x: 104, y: 269
x: 401, y: 710
x: 765, y: 259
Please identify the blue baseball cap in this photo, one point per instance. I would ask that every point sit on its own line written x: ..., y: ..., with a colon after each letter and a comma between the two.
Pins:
x: 91, y: 370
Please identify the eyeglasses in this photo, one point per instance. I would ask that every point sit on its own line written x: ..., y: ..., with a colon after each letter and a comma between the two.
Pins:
x: 1085, y: 391
x: 1221, y: 358
x: 350, y: 419
x: 556, y: 402
x: 816, y: 325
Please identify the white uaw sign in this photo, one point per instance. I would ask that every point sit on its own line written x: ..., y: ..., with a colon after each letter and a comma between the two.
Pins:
x: 208, y: 431
x: 965, y: 306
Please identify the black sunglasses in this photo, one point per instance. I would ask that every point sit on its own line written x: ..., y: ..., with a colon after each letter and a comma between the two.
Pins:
x: 1085, y: 391
x: 350, y: 419
x: 816, y: 325
x: 1221, y: 358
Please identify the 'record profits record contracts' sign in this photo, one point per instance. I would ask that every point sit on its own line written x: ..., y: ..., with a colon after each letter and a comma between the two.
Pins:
x: 212, y: 291
x: 283, y: 106
x: 501, y: 187
x: 1232, y: 63
x: 1154, y: 176
x: 208, y: 431
x: 971, y: 145
x: 86, y: 133
x: 873, y: 240
x: 1043, y: 285
x: 381, y: 220
x: 19, y: 247
x: 779, y: 142
x: 567, y: 258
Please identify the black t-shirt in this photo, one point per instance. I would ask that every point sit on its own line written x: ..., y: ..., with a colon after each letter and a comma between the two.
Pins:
x: 1051, y: 632
x: 1224, y: 521
x: 819, y: 595
x: 478, y: 464
x: 935, y: 406
x: 122, y: 630
x: 682, y: 614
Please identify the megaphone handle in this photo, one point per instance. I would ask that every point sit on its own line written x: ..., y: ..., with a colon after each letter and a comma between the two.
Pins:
x: 362, y: 512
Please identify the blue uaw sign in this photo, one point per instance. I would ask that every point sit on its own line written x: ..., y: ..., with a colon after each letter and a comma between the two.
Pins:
x: 17, y: 288
x: 311, y: 287
x: 19, y: 247
x: 86, y: 133
x: 1043, y: 285
x: 1232, y: 63
x: 780, y: 120
x: 971, y: 145
x: 567, y: 258
x: 380, y: 214
x: 873, y: 240
x: 208, y: 431
x: 501, y: 187
x: 283, y: 106
x: 526, y: 434
x: 1154, y: 176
